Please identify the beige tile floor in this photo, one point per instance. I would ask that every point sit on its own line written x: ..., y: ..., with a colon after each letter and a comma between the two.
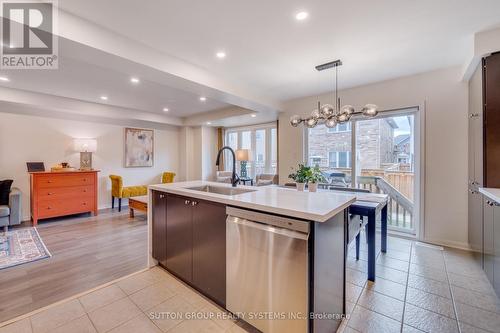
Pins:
x: 418, y: 289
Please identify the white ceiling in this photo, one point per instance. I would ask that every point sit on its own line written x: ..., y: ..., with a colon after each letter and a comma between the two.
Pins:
x: 87, y: 82
x: 268, y: 49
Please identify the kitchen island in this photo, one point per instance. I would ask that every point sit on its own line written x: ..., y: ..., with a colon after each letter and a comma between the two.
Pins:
x: 260, y: 252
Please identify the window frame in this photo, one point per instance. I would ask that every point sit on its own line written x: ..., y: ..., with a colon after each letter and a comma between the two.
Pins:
x: 268, y: 127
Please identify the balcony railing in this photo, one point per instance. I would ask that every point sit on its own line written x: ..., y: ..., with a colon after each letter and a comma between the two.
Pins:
x: 398, y: 185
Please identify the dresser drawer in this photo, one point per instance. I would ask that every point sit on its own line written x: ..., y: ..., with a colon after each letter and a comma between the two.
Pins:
x: 48, y: 181
x: 58, y: 207
x: 48, y: 193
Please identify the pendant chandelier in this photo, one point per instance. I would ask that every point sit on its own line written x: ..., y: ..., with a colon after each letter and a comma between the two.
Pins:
x: 332, y: 115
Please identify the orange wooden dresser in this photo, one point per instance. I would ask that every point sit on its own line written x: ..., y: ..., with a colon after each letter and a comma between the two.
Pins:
x: 62, y: 193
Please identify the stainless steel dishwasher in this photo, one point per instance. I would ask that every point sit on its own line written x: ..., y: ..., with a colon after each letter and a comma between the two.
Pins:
x: 267, y: 270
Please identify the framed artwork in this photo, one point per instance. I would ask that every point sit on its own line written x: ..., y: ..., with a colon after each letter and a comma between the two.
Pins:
x: 139, y: 147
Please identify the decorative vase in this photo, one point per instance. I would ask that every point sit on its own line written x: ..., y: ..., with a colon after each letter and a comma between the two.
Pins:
x: 301, y: 186
x: 313, y: 187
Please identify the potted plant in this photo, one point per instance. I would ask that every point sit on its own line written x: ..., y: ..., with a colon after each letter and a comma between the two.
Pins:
x: 300, y: 176
x: 314, y: 176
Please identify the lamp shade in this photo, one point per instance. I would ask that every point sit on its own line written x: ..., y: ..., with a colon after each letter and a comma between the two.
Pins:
x: 85, y: 145
x: 243, y: 154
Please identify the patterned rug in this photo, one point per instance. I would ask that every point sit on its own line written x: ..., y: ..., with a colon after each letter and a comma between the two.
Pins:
x: 21, y: 246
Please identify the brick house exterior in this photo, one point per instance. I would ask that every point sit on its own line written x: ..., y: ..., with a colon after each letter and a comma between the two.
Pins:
x: 375, y: 140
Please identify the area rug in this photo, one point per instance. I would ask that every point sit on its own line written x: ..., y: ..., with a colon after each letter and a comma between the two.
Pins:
x: 21, y: 246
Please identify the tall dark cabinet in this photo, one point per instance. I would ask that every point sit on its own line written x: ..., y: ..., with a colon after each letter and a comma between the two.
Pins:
x: 491, y: 120
x: 484, y: 165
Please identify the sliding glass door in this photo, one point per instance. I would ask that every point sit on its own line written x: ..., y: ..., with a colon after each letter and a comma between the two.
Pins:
x: 376, y: 155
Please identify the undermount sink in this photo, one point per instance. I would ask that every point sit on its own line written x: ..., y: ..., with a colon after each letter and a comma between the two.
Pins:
x: 220, y: 189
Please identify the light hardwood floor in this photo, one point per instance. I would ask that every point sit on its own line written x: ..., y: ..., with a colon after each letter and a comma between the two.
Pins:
x: 86, y: 252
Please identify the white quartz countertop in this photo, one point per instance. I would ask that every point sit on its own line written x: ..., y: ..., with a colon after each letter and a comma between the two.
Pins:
x: 491, y: 193
x: 319, y: 206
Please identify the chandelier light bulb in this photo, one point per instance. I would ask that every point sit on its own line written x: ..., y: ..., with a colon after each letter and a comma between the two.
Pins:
x: 331, y: 122
x: 311, y: 122
x: 343, y: 117
x: 295, y: 121
x: 315, y: 114
x: 347, y: 109
x: 327, y: 110
x: 369, y: 110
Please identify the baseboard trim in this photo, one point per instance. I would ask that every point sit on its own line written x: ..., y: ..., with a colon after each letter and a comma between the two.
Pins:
x: 448, y: 243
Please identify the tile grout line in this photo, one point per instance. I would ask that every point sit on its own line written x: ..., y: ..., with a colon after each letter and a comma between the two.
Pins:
x: 451, y: 292
x: 406, y: 288
x: 87, y: 314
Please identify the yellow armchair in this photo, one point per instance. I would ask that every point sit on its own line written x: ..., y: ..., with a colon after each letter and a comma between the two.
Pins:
x: 120, y: 192
x: 167, y: 177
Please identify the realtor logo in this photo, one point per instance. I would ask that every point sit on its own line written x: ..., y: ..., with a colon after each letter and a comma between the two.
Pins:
x: 28, y: 36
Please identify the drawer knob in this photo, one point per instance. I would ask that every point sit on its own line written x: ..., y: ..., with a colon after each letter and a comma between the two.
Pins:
x: 84, y: 190
x: 194, y: 203
x: 85, y: 204
x: 49, y: 208
x: 49, y: 193
x: 187, y: 202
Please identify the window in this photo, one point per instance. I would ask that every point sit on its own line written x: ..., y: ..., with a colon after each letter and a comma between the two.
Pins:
x: 262, y: 142
x: 345, y: 127
x: 339, y: 159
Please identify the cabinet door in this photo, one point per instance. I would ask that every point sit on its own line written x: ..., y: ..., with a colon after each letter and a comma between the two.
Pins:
x: 209, y: 249
x: 488, y: 239
x: 496, y: 260
x: 179, y: 237
x: 159, y: 226
x: 492, y: 120
x: 476, y: 224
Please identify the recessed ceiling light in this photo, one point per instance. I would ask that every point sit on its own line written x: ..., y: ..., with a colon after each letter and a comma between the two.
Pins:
x: 104, y: 98
x: 209, y: 123
x: 4, y: 78
x: 203, y: 99
x: 300, y: 16
x: 253, y: 115
x: 134, y: 80
x: 221, y: 54
x: 165, y: 109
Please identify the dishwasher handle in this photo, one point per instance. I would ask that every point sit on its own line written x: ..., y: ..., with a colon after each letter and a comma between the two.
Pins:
x: 268, y: 228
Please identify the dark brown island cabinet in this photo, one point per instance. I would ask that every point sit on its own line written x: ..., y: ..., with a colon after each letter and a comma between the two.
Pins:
x: 189, y: 240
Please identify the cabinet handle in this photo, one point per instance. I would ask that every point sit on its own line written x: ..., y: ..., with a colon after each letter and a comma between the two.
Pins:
x: 194, y: 203
x: 49, y: 208
x: 162, y: 196
x: 474, y: 115
x: 187, y: 202
x: 49, y: 193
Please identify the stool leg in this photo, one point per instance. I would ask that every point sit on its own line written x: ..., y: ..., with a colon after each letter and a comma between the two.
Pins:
x: 358, y: 240
x: 119, y: 204
x: 112, y: 202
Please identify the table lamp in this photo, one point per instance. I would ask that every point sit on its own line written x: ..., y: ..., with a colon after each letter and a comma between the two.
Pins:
x: 243, y: 155
x: 86, y: 147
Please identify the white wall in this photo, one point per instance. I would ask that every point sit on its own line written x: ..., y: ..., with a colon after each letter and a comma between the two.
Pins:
x: 445, y: 98
x: 26, y: 138
x: 208, y: 152
x: 198, y: 152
